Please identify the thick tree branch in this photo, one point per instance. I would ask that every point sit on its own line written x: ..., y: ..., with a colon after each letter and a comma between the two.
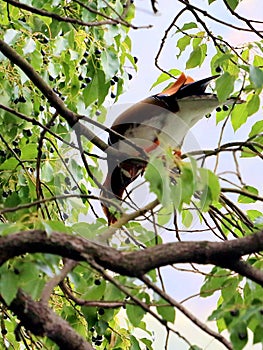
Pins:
x: 225, y: 254
x: 41, y: 320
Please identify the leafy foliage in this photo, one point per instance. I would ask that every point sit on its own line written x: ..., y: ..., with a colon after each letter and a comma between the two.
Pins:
x: 83, y: 51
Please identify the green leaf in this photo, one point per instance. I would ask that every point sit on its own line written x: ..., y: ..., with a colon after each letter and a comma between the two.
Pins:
x: 214, y: 281
x: 245, y: 199
x: 187, y: 217
x: 9, y: 286
x: 258, y: 61
x: 232, y: 3
x: 188, y: 26
x: 164, y: 215
x: 224, y: 86
x: 257, y: 128
x: 258, y: 334
x: 159, y: 180
x: 167, y: 312
x: 256, y: 77
x: 29, y: 152
x: 135, y: 314
x: 211, y: 188
x: 134, y: 343
x: 182, y: 44
x: 9, y: 164
x: 239, y: 116
x: 253, y: 104
x: 47, y: 172
x: 195, y: 58
x: 164, y: 77
x: 110, y: 63
x: 239, y: 336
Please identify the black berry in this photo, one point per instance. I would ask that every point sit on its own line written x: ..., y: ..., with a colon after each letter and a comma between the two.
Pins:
x: 218, y: 109
x: 101, y: 311
x: 83, y: 61
x: 135, y: 59
x: 225, y: 108
x: 218, y: 69
x: 130, y: 76
x: 88, y: 80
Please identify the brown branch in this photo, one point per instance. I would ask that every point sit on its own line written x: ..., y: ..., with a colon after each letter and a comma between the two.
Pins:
x: 42, y: 321
x: 224, y: 254
x: 69, y: 265
x: 218, y: 20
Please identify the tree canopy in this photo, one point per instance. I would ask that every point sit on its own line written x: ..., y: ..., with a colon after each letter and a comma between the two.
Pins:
x: 67, y: 279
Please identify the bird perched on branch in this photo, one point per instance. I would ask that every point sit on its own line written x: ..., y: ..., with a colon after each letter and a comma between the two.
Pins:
x: 153, y: 124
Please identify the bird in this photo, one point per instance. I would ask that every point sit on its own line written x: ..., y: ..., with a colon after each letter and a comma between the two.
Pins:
x: 152, y: 125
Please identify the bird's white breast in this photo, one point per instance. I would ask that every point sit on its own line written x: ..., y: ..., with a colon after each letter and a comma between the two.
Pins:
x: 169, y: 128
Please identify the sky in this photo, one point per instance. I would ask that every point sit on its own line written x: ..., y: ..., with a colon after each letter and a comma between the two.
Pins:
x: 145, y: 46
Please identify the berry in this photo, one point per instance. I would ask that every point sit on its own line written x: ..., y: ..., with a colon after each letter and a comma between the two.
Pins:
x: 88, y: 80
x: 17, y: 151
x: 28, y: 132
x: 97, y: 282
x: 101, y: 311
x: 67, y: 181
x: 16, y: 100
x: 74, y: 188
x: 116, y: 79
x: 130, y: 76
x: 4, y: 331
x: 83, y: 61
x: 86, y: 53
x: 45, y: 40
x: 218, y: 109
x: 135, y: 59
x: 218, y: 69
x: 242, y: 335
x: 83, y: 85
x: 98, y: 113
x: 92, y: 329
x: 225, y: 108
x: 234, y: 313
x: 97, y: 52
x: 5, y: 194
x: 98, y: 343
x: 112, y: 82
x: 64, y: 216
x: 50, y: 78
x: 80, y: 77
x: 22, y: 99
x: 15, y: 143
x: 41, y: 108
x: 112, y: 95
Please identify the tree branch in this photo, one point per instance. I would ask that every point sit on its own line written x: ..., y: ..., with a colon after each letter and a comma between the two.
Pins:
x: 225, y: 254
x: 41, y: 320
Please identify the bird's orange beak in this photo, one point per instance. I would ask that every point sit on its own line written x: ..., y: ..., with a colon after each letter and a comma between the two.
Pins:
x: 182, y: 80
